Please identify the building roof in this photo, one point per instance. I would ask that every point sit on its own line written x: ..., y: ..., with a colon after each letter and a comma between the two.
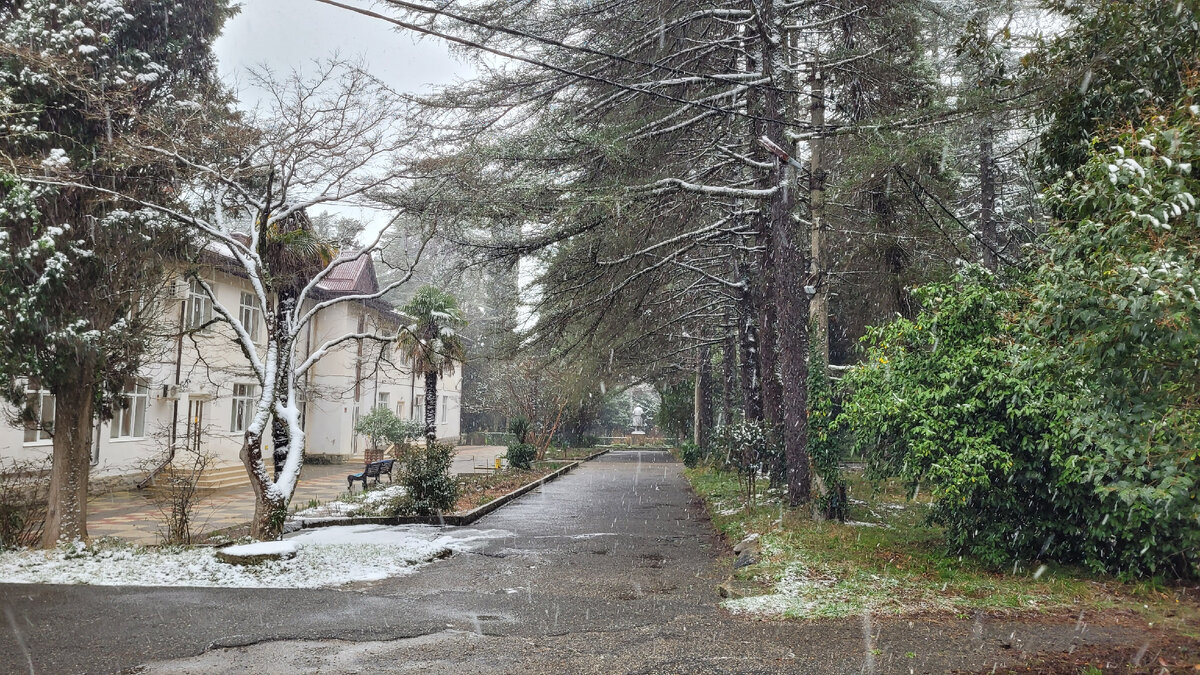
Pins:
x: 352, y: 275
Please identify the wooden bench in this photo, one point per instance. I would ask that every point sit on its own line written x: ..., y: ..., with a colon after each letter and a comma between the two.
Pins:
x: 372, y: 470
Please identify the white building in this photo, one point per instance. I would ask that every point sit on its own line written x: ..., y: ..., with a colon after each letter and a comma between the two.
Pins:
x: 198, y: 391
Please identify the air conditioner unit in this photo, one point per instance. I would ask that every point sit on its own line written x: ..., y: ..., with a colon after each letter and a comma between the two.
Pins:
x: 170, y: 392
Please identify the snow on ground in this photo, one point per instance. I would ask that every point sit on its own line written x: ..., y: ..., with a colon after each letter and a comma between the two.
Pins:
x: 804, y: 593
x: 327, y: 557
x: 364, y: 505
x: 263, y: 548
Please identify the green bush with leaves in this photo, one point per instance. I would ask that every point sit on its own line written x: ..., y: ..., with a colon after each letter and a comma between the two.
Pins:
x: 751, y: 448
x: 942, y: 402
x: 1117, y: 311
x: 825, y: 446
x: 519, y: 427
x: 692, y: 455
x: 429, y: 487
x: 521, y: 455
x: 382, y: 426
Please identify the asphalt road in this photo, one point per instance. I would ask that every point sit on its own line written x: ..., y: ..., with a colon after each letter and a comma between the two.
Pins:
x: 612, y: 568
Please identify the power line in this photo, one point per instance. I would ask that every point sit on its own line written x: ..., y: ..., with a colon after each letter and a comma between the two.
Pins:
x: 560, y: 69
x: 580, y: 48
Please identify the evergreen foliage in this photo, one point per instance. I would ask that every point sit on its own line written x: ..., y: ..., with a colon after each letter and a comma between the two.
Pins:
x: 430, y: 489
x: 521, y: 455
x: 1117, y: 318
x: 825, y: 445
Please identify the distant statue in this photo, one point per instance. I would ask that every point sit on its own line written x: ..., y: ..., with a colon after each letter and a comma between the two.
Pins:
x: 639, y: 420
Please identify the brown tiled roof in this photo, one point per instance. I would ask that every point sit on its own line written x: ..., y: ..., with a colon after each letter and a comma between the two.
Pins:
x: 354, y: 275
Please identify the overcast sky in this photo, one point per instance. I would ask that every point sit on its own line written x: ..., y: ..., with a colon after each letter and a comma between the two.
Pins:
x: 286, y: 34
x: 291, y: 34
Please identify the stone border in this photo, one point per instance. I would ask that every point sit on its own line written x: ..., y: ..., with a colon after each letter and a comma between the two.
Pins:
x: 455, y: 519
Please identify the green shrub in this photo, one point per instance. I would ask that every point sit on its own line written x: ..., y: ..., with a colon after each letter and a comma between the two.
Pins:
x: 1117, y: 320
x: 946, y: 402
x: 750, y: 448
x: 692, y: 455
x: 825, y: 445
x: 381, y: 426
x: 519, y: 428
x: 521, y: 455
x: 430, y: 489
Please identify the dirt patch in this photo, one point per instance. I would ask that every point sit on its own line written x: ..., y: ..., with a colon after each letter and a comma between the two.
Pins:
x: 1160, y: 652
x: 475, y: 490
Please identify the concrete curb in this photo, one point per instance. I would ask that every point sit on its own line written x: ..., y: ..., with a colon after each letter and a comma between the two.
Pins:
x: 455, y: 519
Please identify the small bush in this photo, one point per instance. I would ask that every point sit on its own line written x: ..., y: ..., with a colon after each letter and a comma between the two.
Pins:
x: 692, y: 455
x: 519, y: 428
x: 24, y: 487
x: 382, y: 426
x: 430, y: 487
x: 521, y: 455
x: 750, y: 448
x: 176, y: 495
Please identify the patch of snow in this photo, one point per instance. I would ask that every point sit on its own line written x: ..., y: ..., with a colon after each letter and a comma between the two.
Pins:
x: 57, y: 160
x: 328, y: 557
x: 365, y: 505
x: 263, y: 548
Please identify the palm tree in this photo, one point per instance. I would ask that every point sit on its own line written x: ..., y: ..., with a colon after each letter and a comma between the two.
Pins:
x: 292, y: 253
x: 431, y: 344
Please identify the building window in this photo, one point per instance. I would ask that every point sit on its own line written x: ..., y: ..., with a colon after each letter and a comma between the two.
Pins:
x: 199, y: 306
x: 382, y: 400
x: 400, y: 408
x: 244, y: 398
x: 250, y: 314
x: 39, y: 422
x: 130, y: 421
x: 445, y: 404
x: 419, y: 407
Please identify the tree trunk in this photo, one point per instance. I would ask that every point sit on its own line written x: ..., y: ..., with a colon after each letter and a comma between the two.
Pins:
x: 430, y: 408
x: 988, y: 237
x: 728, y: 375
x: 280, y: 434
x: 768, y: 353
x: 702, y: 418
x: 816, y: 199
x: 66, y: 514
x: 788, y: 293
x: 748, y: 342
x: 270, y: 507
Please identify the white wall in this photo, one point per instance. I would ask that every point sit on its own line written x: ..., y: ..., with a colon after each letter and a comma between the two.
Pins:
x: 211, y: 364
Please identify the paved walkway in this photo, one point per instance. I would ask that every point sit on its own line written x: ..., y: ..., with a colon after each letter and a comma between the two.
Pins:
x: 133, y: 516
x: 610, y: 569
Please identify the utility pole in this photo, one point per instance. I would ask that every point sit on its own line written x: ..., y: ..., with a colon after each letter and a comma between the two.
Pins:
x: 816, y: 200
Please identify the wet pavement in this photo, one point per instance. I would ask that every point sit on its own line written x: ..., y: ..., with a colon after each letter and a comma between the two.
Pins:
x: 611, y: 569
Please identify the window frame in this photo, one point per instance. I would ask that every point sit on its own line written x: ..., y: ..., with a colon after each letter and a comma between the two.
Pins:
x: 38, y: 427
x: 251, y: 315
x: 241, y: 409
x: 198, y: 299
x: 137, y: 393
